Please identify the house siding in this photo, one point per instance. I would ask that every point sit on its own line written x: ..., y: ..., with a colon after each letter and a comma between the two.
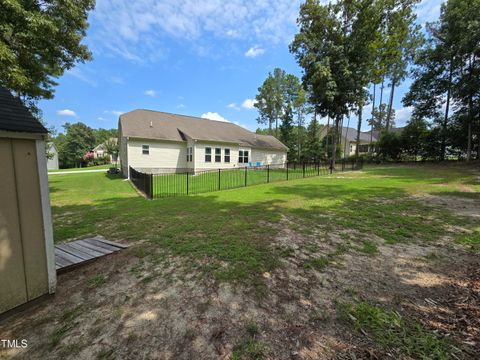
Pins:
x: 163, y: 155
x: 268, y: 157
x: 199, y: 156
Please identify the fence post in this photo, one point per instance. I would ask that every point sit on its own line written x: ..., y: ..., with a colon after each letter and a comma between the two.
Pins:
x: 318, y: 168
x: 246, y: 175
x: 187, y: 181
x: 150, y: 185
x: 303, y: 169
x: 331, y: 167
x: 287, y: 171
x: 268, y: 173
x: 219, y: 170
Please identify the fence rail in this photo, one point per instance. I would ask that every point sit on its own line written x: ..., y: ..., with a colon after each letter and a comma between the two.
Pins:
x: 187, y: 183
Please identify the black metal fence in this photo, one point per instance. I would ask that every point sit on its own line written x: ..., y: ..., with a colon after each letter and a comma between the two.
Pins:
x: 143, y: 182
x: 170, y: 184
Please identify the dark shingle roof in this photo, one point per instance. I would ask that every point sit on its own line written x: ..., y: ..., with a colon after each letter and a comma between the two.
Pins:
x: 14, y: 116
x: 148, y: 124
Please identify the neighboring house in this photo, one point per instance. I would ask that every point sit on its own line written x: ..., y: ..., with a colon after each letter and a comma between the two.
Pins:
x: 52, y: 159
x: 153, y: 141
x: 27, y: 256
x: 348, y: 142
x: 100, y: 151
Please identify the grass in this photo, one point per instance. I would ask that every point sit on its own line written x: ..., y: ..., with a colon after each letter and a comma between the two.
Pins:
x: 471, y: 240
x: 67, y: 322
x: 208, y: 181
x: 395, y: 333
x: 228, y: 234
x: 96, y: 167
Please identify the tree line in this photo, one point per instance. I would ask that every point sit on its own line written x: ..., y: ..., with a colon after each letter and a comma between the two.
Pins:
x: 350, y: 52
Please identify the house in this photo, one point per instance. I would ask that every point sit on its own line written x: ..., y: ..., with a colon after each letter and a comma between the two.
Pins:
x: 52, y: 157
x: 100, y: 151
x: 348, y: 140
x: 27, y: 257
x: 153, y: 141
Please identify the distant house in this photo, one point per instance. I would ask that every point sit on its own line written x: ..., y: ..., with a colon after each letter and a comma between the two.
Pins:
x: 348, y: 140
x: 52, y: 159
x: 154, y: 141
x: 27, y: 257
x: 100, y: 151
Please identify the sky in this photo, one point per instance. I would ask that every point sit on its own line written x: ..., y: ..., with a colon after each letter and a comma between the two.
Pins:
x: 200, y: 58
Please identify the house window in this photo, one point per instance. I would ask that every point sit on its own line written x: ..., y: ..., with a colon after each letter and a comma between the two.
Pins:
x: 243, y: 156
x: 227, y: 155
x: 208, y: 154
x: 218, y: 155
x: 189, y: 154
x: 363, y: 148
x: 145, y: 149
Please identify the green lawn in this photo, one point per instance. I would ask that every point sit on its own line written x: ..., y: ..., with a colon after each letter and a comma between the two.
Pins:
x: 234, y: 227
x: 208, y: 181
x: 97, y: 167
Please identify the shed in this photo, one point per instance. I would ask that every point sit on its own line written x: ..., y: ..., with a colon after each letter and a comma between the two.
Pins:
x: 27, y: 256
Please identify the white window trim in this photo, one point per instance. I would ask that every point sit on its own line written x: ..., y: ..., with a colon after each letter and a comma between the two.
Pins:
x: 148, y: 149
x: 215, y: 158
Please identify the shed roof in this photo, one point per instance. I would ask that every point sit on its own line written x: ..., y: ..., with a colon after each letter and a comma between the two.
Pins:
x: 148, y: 124
x: 14, y: 116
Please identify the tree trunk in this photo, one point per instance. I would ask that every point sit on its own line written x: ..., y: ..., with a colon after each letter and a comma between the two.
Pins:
x: 469, y: 126
x: 390, y: 104
x: 334, y: 144
x: 380, y: 112
x: 345, y: 141
x: 270, y: 127
x: 328, y: 130
x: 373, y: 116
x: 359, y: 127
x: 447, y: 107
x: 276, y: 127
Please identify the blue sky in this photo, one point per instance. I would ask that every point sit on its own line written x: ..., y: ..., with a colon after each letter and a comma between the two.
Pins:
x: 200, y: 58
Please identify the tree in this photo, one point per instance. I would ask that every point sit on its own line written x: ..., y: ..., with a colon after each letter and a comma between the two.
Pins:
x: 270, y: 99
x: 379, y: 121
x: 389, y: 146
x: 39, y: 40
x: 403, y: 37
x: 112, y: 148
x: 286, y: 133
x: 413, y: 137
x: 330, y: 39
x: 103, y: 135
x: 78, y: 140
x: 313, y: 146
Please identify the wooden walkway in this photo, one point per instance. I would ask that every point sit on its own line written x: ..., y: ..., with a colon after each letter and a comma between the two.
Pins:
x: 77, y: 252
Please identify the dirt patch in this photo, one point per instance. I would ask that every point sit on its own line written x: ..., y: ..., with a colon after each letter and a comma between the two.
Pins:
x: 459, y: 205
x: 151, y: 308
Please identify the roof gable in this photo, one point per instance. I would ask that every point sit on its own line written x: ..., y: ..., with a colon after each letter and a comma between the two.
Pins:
x: 14, y: 116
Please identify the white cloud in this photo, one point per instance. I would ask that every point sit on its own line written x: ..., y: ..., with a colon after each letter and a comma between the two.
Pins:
x: 180, y: 106
x: 403, y: 115
x: 66, y: 112
x: 249, y: 103
x: 214, y: 116
x: 233, y: 106
x: 151, y: 93
x: 101, y: 118
x: 114, y: 112
x: 77, y: 73
x: 254, y: 52
x: 138, y: 30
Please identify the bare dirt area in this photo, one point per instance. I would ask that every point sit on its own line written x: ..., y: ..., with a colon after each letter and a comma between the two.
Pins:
x: 130, y: 305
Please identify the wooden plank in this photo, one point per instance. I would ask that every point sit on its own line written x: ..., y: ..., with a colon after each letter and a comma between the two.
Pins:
x: 122, y: 246
x: 74, y: 251
x: 60, y: 261
x: 71, y: 259
x: 100, y: 249
x: 91, y: 252
x: 102, y: 245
